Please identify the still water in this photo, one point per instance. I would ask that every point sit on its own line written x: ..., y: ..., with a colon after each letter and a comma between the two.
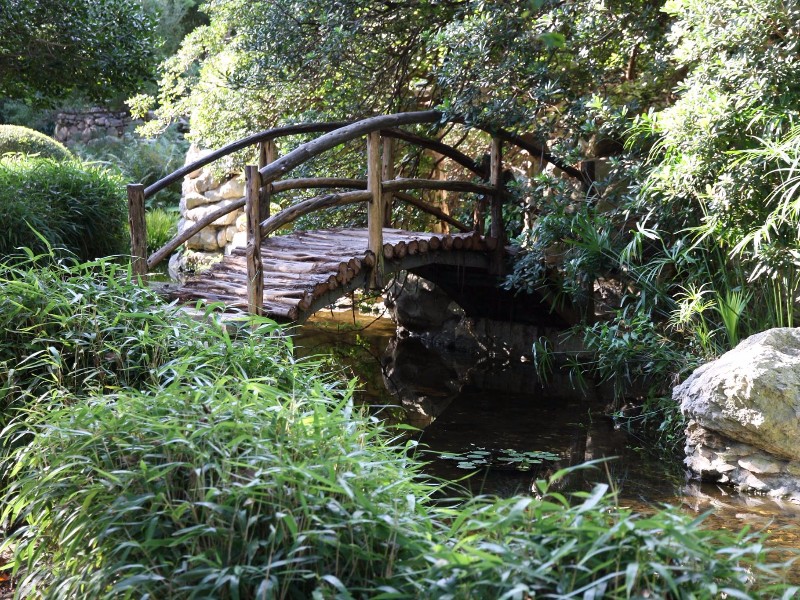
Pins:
x: 495, y: 428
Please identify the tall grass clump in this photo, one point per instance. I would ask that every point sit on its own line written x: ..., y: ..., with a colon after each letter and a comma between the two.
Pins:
x: 73, y: 206
x: 162, y: 225
x: 232, y: 489
x: 75, y: 329
x: 152, y: 455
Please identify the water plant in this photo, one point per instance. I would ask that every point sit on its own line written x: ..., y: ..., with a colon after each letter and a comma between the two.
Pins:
x: 501, y: 458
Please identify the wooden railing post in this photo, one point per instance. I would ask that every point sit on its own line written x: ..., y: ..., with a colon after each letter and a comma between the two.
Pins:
x: 255, y: 268
x: 267, y: 153
x: 387, y: 175
x: 497, y: 228
x: 375, y: 214
x: 138, y: 225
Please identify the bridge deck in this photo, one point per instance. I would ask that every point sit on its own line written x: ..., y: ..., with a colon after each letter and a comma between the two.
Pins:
x: 304, y: 270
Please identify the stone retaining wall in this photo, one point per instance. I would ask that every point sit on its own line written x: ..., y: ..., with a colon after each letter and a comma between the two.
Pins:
x: 85, y: 125
x: 205, y: 191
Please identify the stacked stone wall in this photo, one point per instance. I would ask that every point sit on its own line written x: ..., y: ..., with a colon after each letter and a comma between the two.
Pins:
x: 205, y: 191
x: 85, y: 125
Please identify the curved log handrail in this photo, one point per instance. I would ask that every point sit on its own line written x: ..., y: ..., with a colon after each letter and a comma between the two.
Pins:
x: 317, y: 146
x: 304, y: 207
x: 333, y: 134
x: 307, y: 183
x: 289, y: 214
x: 228, y: 149
x: 396, y: 185
x: 299, y: 209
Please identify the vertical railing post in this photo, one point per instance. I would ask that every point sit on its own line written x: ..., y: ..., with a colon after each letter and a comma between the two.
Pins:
x: 267, y: 153
x: 375, y: 215
x: 138, y: 225
x: 387, y: 175
x: 255, y: 269
x: 497, y: 228
x: 479, y: 216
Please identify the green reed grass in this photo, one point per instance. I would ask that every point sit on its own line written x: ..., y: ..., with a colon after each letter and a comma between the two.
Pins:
x: 158, y: 456
x: 74, y: 206
x: 162, y: 225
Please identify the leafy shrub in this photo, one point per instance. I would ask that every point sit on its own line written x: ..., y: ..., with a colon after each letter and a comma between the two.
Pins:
x: 235, y: 471
x: 73, y: 206
x: 15, y: 139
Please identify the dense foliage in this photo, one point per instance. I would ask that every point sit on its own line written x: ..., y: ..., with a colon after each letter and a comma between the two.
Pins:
x: 100, y: 48
x: 22, y: 140
x: 680, y: 236
x: 193, y: 461
x: 66, y: 205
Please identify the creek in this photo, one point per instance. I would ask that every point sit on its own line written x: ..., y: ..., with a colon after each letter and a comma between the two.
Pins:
x: 495, y: 428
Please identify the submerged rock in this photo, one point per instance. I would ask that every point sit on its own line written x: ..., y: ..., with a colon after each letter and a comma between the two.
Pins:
x: 744, y: 411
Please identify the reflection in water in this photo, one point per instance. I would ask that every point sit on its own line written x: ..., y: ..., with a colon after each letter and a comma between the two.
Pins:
x: 462, y: 404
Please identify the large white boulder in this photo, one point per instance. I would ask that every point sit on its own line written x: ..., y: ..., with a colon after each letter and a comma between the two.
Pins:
x: 744, y: 411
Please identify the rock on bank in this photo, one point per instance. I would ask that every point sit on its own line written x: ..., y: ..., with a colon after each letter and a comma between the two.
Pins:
x: 744, y: 415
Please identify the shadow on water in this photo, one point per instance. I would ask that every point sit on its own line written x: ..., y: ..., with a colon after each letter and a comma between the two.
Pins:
x: 494, y: 427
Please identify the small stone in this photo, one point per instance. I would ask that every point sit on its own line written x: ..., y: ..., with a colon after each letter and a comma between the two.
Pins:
x: 199, y: 213
x: 698, y: 463
x: 720, y: 466
x: 233, y: 188
x: 760, y: 464
x: 241, y: 222
x: 204, y: 240
x: 192, y: 155
x: 193, y: 200
x: 230, y: 231
x: 206, y: 182
x: 222, y: 240
x: 751, y: 481
x: 239, y: 241
x: 214, y: 195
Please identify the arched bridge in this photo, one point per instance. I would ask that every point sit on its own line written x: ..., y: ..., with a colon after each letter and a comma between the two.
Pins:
x: 289, y: 277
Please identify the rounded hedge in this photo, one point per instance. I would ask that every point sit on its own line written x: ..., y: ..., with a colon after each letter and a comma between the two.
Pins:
x: 73, y: 206
x: 15, y: 139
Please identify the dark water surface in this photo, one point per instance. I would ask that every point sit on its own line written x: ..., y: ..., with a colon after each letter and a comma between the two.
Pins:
x: 499, y: 427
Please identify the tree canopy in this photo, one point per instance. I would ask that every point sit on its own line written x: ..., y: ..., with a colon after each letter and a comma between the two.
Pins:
x: 100, y: 48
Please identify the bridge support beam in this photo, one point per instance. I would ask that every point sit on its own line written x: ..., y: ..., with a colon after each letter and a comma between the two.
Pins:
x: 138, y: 225
x: 255, y: 267
x: 498, y: 228
x: 375, y: 211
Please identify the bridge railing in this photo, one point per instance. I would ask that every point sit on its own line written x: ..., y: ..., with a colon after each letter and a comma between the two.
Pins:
x: 377, y: 191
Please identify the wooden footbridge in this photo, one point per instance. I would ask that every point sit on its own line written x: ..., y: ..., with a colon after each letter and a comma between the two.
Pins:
x: 289, y: 277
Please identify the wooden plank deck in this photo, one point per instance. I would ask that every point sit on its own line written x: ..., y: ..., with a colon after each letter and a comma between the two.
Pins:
x: 303, y: 268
